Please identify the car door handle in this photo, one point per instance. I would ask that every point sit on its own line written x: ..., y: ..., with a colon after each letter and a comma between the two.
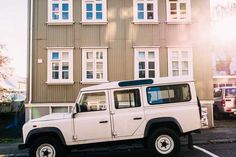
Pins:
x: 137, y: 118
x: 104, y: 121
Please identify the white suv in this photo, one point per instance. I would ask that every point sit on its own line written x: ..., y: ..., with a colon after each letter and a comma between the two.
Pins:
x: 156, y: 114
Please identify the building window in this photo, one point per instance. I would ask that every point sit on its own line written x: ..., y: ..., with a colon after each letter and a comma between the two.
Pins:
x: 146, y: 63
x: 60, y: 65
x: 178, y: 11
x: 145, y: 11
x: 60, y: 11
x: 94, y: 11
x: 94, y: 65
x: 180, y: 62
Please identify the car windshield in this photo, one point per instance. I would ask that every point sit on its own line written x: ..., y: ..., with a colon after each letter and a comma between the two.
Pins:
x: 230, y: 93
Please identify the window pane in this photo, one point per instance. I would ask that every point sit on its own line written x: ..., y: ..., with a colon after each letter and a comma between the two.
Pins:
x: 99, y: 15
x: 59, y: 109
x: 175, y: 72
x: 89, y: 65
x: 89, y: 15
x: 185, y: 65
x: 185, y: 54
x: 93, y: 102
x: 65, y: 75
x: 151, y: 74
x: 65, y: 56
x: 149, y: 7
x: 99, y: 75
x: 55, y: 75
x: 55, y: 15
x: 151, y: 54
x: 151, y: 65
x: 99, y: 55
x: 182, y: 6
x: 127, y: 99
x: 142, y: 74
x: 65, y: 15
x: 55, y: 66
x: 89, y: 55
x: 140, y: 7
x: 65, y: 7
x: 89, y: 74
x: 55, y: 55
x: 175, y: 65
x: 141, y: 54
x: 65, y: 66
x: 55, y: 7
x: 140, y: 15
x: 185, y: 72
x: 150, y: 15
x: 173, y: 6
x: 175, y: 55
x: 141, y: 65
x: 98, y: 7
x: 89, y: 7
x: 99, y: 66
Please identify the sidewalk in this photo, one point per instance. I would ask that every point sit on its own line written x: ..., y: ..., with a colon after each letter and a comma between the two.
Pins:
x: 224, y: 132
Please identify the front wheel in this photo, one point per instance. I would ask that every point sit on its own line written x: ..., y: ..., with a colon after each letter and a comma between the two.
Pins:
x: 46, y: 147
x: 163, y: 142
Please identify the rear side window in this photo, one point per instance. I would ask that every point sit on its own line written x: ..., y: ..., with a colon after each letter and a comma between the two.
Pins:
x: 168, y: 94
x: 230, y: 93
x: 217, y: 93
x: 127, y: 99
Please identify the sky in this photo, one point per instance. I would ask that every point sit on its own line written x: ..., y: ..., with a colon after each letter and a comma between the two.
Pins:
x: 13, y: 33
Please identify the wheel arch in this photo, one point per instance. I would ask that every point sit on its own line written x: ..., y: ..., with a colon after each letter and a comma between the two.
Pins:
x: 47, y: 131
x: 168, y: 122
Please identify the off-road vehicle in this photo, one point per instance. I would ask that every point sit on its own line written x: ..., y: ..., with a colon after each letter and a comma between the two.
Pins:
x: 155, y: 114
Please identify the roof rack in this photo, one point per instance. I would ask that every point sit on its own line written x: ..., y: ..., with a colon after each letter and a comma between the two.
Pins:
x: 135, y: 82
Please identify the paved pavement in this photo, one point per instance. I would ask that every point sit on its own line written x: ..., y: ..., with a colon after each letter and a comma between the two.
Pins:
x: 224, y: 134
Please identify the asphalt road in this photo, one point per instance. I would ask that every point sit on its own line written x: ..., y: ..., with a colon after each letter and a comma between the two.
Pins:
x: 217, y: 150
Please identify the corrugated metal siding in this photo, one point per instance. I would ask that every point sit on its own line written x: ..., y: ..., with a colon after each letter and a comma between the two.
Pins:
x: 120, y: 35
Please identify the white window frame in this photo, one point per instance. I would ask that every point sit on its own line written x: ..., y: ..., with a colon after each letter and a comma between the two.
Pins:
x: 179, y: 60
x: 50, y: 80
x: 146, y: 60
x: 60, y: 20
x: 85, y: 80
x: 94, y: 20
x: 171, y: 20
x: 145, y: 20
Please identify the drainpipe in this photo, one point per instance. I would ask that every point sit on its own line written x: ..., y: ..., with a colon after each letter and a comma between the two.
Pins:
x: 29, y: 51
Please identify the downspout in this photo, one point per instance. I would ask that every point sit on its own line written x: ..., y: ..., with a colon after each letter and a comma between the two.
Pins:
x: 29, y: 52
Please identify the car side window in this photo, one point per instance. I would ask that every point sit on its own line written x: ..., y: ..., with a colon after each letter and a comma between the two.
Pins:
x: 168, y: 94
x: 218, y: 93
x: 90, y: 102
x: 127, y: 99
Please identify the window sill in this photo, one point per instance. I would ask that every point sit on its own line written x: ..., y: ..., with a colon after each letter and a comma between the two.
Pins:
x: 60, y: 83
x: 179, y: 22
x: 94, y: 22
x: 93, y: 82
x: 146, y: 22
x: 60, y: 23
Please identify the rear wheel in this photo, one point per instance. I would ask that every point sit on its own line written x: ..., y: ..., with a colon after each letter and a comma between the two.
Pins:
x: 46, y: 147
x: 163, y: 142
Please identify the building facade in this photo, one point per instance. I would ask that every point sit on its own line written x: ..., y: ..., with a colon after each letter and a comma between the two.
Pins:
x: 78, y: 43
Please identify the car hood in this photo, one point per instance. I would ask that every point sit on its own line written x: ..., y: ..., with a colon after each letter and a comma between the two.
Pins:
x: 54, y: 116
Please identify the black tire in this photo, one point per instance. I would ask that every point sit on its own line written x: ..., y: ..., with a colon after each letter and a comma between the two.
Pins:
x: 163, y: 137
x: 48, y: 145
